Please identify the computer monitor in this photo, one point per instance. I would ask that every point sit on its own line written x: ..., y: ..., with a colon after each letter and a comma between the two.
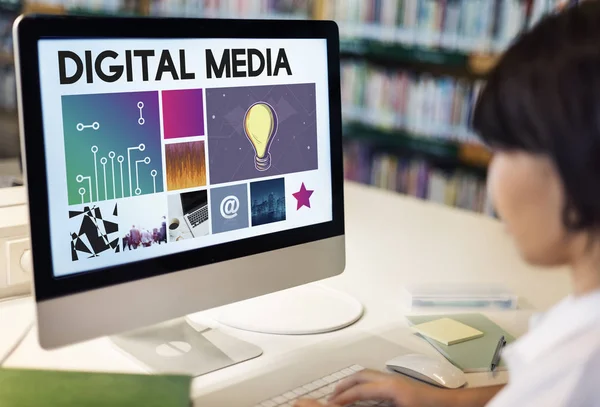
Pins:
x: 176, y: 165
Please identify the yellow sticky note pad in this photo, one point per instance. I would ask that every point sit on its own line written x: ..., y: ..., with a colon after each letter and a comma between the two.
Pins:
x: 448, y: 331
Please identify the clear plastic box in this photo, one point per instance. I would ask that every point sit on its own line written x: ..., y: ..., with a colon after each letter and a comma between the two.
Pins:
x: 460, y: 295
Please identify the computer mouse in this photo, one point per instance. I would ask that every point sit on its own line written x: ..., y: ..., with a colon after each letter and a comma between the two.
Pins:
x: 428, y: 369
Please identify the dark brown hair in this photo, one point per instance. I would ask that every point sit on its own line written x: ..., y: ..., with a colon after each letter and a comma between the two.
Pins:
x: 543, y: 97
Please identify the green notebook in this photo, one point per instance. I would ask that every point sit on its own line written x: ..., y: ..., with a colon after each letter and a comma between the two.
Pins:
x: 474, y: 355
x: 26, y: 388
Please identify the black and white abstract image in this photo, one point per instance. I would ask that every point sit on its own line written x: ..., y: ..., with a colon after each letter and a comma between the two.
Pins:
x: 95, y: 231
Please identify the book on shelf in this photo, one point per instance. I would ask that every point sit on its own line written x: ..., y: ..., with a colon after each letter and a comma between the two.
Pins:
x: 416, y: 177
x: 193, y: 8
x: 473, y: 26
x: 8, y: 88
x: 422, y: 104
x: 104, y: 6
x: 465, y: 25
x: 263, y: 9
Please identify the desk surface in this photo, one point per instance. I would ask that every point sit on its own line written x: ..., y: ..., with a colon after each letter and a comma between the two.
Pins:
x: 392, y: 240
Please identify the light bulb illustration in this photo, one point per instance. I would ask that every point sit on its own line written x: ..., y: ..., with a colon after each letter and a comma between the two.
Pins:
x: 260, y: 126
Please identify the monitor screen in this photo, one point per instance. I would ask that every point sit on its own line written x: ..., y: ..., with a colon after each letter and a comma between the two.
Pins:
x: 160, y: 146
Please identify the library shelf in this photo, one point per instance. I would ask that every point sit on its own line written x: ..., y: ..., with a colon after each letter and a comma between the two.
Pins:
x: 468, y: 155
x: 482, y: 64
x: 43, y: 8
x: 478, y: 64
x: 86, y: 12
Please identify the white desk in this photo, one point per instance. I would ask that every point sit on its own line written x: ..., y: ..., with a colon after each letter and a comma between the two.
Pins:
x: 391, y: 241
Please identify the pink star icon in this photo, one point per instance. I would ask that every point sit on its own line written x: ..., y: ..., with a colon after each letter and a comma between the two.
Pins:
x: 303, y: 197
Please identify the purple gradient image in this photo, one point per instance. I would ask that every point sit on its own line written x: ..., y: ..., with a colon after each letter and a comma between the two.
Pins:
x: 183, y: 113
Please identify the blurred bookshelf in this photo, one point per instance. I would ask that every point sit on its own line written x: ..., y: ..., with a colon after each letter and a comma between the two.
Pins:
x: 9, y: 11
x: 248, y: 9
x: 424, y: 175
x: 400, y: 54
x: 411, y: 72
x: 463, y: 155
x: 9, y: 131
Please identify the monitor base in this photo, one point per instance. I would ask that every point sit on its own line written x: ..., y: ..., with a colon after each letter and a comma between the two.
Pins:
x: 181, y: 347
x: 304, y: 310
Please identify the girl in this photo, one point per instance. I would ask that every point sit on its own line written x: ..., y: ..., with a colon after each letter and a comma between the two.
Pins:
x: 540, y: 112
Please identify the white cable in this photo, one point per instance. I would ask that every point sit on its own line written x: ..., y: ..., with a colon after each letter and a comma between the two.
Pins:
x: 18, y: 343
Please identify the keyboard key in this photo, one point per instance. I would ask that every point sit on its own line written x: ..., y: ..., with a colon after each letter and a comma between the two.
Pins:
x: 300, y: 391
x: 330, y: 379
x: 317, y: 394
x: 329, y: 389
x: 290, y: 395
x: 320, y: 389
x: 348, y: 372
x: 311, y: 387
x: 279, y: 400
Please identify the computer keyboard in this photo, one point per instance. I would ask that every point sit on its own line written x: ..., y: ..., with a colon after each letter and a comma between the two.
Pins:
x: 319, y: 389
x: 198, y: 216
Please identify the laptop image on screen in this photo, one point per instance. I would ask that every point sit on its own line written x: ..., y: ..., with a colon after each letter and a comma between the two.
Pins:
x: 195, y: 212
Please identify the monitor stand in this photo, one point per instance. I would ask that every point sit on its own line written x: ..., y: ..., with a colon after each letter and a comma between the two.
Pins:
x: 183, y: 347
x: 303, y: 310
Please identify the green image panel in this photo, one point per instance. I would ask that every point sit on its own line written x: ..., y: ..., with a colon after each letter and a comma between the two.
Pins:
x: 112, y: 146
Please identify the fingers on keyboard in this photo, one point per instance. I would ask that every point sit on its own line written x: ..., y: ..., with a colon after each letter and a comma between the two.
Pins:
x: 319, y: 390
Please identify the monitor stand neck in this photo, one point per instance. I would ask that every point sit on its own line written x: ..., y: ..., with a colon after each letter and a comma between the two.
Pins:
x: 182, y: 347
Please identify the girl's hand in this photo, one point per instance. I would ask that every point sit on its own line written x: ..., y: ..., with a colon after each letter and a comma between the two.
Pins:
x: 370, y: 385
x: 308, y: 403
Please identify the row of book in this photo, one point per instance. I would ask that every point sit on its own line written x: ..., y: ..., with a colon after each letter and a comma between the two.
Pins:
x: 263, y: 9
x: 415, y: 177
x: 465, y: 25
x: 421, y: 104
x: 104, y: 6
x: 6, y: 42
x: 8, y: 88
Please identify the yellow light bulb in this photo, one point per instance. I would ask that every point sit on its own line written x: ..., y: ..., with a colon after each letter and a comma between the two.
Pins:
x: 260, y: 126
